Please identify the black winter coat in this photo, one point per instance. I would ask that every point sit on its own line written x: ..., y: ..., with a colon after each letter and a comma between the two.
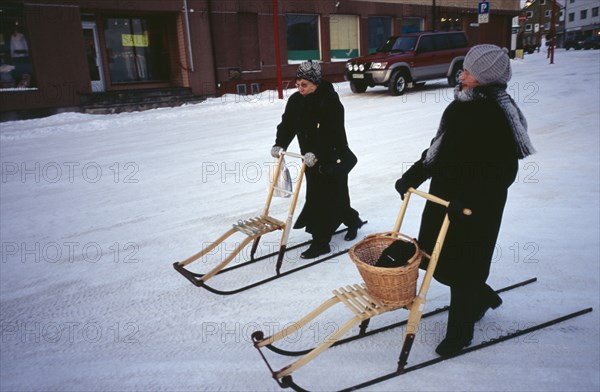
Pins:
x: 318, y: 122
x: 476, y: 164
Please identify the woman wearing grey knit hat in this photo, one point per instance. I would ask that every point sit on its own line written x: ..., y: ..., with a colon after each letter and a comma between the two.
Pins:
x: 316, y: 116
x: 472, y: 161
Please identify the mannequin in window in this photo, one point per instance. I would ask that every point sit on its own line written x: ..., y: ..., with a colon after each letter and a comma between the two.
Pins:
x: 18, y: 45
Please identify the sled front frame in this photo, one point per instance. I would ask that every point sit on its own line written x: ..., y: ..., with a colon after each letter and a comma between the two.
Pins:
x: 253, y: 228
x: 364, y: 305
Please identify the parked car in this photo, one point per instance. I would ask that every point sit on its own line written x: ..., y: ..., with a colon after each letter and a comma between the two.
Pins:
x: 591, y: 43
x: 574, y: 43
x: 405, y: 60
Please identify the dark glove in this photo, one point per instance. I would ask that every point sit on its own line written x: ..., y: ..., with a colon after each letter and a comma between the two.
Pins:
x: 402, y: 187
x: 310, y: 159
x: 275, y: 151
x: 456, y: 211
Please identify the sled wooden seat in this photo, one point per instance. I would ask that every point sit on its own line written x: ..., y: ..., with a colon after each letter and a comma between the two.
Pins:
x: 358, y: 299
x: 259, y: 225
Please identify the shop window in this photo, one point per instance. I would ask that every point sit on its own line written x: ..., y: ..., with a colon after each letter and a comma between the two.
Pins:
x: 412, y: 25
x: 303, y: 37
x: 136, y: 49
x: 16, y: 70
x: 343, y: 33
x: 379, y: 30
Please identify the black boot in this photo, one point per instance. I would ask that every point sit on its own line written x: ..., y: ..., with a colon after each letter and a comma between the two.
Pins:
x: 353, y: 231
x: 487, y: 298
x: 316, y: 249
x: 457, y: 338
x: 459, y: 332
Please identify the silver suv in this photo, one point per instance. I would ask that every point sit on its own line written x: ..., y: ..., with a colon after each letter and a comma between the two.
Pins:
x: 409, y: 59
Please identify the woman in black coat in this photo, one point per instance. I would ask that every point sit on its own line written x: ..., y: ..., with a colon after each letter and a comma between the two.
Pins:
x: 316, y: 116
x: 471, y: 162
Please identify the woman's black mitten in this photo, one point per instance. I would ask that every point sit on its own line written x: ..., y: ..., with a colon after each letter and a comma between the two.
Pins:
x: 402, y: 187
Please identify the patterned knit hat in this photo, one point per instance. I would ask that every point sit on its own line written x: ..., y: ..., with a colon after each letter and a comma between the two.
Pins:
x: 489, y: 64
x: 310, y: 71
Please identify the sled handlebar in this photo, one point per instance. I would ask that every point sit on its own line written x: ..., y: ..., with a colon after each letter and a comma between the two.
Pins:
x: 292, y: 154
x: 437, y: 200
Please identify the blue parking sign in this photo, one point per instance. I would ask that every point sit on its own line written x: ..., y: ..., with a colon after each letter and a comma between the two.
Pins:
x: 484, y: 7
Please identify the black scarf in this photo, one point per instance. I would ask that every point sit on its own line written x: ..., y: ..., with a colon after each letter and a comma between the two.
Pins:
x: 515, y: 117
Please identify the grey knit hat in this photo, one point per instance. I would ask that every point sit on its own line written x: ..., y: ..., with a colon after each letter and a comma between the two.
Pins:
x: 489, y: 64
x: 310, y: 71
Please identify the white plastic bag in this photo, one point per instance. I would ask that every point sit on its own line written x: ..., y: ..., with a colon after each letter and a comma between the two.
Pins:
x: 283, y: 181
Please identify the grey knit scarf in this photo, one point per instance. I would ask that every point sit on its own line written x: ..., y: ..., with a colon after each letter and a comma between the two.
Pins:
x: 515, y: 117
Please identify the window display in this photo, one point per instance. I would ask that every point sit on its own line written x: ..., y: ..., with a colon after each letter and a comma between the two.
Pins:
x: 303, y: 37
x: 343, y: 36
x: 380, y: 29
x: 136, y: 49
x: 16, y: 70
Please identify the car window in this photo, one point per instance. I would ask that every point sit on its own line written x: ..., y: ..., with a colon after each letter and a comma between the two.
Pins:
x: 441, y: 42
x: 404, y: 43
x: 426, y: 44
x: 457, y: 40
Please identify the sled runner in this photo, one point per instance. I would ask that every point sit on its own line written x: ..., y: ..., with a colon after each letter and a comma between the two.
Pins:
x: 254, y: 228
x: 361, y: 301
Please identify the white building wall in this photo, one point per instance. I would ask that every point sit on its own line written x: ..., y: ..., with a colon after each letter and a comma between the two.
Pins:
x: 591, y: 22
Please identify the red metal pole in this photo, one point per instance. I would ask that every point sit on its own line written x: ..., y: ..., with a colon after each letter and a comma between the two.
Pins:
x: 277, y: 49
x: 553, y: 32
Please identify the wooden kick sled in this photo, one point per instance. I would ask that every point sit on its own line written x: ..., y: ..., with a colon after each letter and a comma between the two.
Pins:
x: 369, y: 299
x: 254, y: 228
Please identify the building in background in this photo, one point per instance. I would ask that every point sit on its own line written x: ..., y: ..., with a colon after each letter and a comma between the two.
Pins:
x: 102, y: 56
x: 535, y: 24
x: 582, y: 19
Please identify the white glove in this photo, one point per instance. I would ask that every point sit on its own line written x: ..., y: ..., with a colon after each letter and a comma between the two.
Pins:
x: 275, y: 151
x: 310, y: 159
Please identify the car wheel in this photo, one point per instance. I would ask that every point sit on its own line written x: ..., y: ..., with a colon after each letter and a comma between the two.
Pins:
x: 358, y: 87
x: 398, y: 83
x: 454, y: 78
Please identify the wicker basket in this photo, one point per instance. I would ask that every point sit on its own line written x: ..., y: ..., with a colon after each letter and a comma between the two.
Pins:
x: 393, y: 286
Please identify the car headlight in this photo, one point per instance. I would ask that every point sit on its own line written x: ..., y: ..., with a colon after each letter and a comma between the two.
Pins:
x: 378, y: 65
x: 361, y: 67
x: 349, y: 66
x: 355, y: 67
